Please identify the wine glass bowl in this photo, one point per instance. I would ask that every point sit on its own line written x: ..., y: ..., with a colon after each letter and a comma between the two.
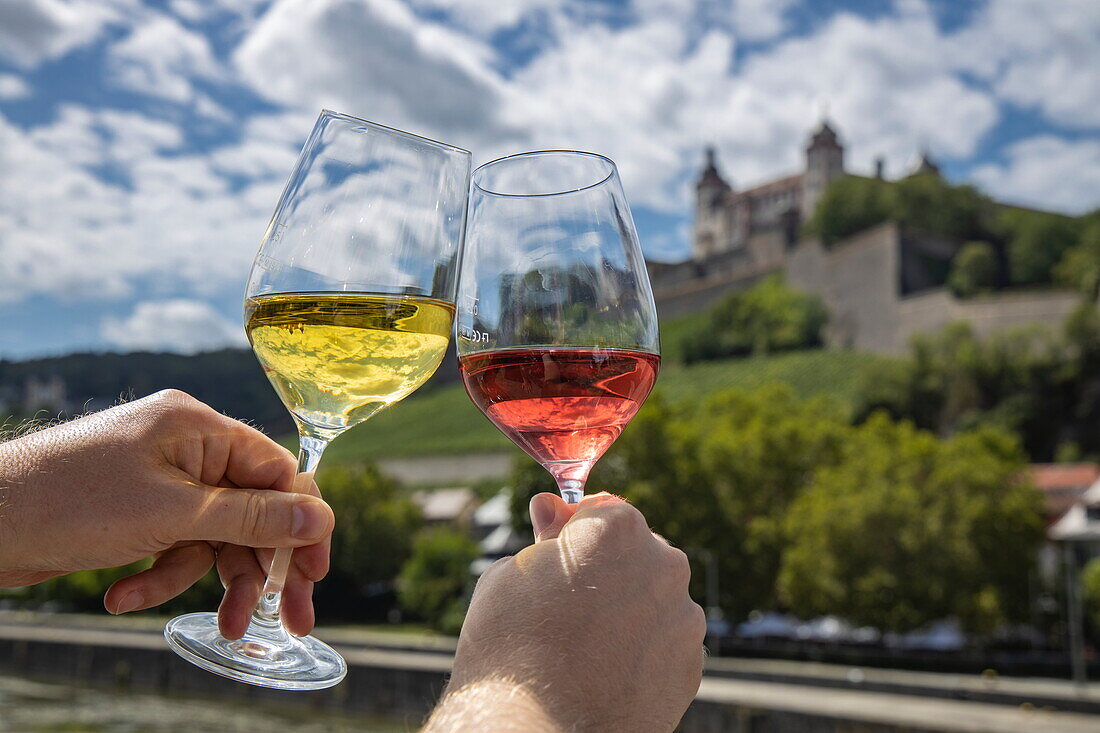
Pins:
x: 557, y: 330
x: 349, y: 308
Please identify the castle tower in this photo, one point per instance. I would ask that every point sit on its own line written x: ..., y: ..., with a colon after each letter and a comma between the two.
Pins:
x: 824, y: 162
x: 925, y: 164
x: 711, y: 217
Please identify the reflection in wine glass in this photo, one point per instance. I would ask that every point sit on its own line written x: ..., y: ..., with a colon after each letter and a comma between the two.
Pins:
x: 349, y: 308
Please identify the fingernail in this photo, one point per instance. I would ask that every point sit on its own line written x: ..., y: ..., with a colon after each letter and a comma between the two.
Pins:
x: 542, y: 512
x: 130, y: 602
x: 310, y: 520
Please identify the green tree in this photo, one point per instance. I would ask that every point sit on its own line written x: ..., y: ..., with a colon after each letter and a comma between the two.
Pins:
x: 719, y: 475
x: 433, y: 582
x: 906, y: 529
x: 848, y: 205
x: 928, y: 203
x: 1036, y: 243
x: 1032, y: 381
x: 924, y: 202
x: 527, y: 479
x: 1090, y: 591
x: 375, y: 524
x: 768, y: 317
x: 1080, y: 265
x: 974, y: 270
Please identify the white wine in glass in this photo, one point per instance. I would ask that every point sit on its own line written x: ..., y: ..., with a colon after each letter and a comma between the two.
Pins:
x: 349, y: 309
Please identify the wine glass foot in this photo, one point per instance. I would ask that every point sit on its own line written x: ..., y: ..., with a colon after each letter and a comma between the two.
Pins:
x: 277, y: 660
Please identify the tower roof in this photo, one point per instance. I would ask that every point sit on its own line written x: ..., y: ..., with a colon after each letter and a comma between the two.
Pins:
x: 925, y: 164
x: 710, y: 175
x: 824, y: 137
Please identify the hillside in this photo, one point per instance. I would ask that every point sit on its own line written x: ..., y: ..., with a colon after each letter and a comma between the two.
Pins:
x: 444, y: 421
x: 230, y: 380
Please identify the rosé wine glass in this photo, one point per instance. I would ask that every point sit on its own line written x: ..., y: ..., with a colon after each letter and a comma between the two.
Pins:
x: 556, y: 325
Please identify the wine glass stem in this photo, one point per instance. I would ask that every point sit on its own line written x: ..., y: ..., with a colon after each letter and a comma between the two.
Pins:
x: 267, y: 610
x: 571, y: 490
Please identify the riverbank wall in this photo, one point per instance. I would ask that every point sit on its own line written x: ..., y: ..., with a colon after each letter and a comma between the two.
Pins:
x: 403, y: 680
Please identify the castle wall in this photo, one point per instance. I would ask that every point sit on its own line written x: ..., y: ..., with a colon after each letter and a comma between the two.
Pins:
x: 701, y: 293
x: 768, y: 249
x: 857, y: 279
x: 860, y: 281
x: 932, y: 310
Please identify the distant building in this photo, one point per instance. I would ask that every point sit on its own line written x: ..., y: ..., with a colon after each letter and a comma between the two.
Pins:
x: 1062, y: 485
x: 45, y: 393
x: 492, y: 528
x: 881, y: 285
x: 727, y: 220
x: 446, y: 506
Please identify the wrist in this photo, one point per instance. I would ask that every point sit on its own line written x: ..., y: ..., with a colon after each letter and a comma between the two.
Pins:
x: 15, y: 473
x: 499, y: 705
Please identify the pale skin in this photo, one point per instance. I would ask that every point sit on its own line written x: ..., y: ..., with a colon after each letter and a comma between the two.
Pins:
x: 591, y: 628
x: 164, y: 477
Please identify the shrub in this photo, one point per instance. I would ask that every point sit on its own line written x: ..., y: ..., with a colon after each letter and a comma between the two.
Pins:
x: 766, y: 318
x: 433, y: 583
x: 974, y: 270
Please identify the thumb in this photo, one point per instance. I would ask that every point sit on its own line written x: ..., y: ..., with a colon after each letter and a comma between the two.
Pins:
x: 549, y: 513
x: 262, y: 518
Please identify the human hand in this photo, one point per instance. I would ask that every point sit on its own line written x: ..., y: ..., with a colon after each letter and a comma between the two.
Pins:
x: 166, y: 476
x: 591, y: 628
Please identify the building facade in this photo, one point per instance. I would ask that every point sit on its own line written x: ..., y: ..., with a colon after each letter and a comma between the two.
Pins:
x: 881, y: 286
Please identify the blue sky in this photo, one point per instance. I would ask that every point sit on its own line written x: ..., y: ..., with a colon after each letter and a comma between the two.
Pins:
x: 143, y: 145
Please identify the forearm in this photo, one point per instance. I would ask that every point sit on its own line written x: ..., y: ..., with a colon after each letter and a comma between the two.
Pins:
x: 491, y: 705
x: 16, y: 470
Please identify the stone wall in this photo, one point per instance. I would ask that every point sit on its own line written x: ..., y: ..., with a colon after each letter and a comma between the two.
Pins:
x: 857, y: 278
x: 860, y: 281
x: 405, y: 684
x: 931, y: 310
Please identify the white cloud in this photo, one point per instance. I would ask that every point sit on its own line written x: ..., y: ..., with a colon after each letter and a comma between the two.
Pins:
x: 198, y: 11
x: 373, y: 59
x: 184, y: 326
x: 1047, y: 172
x: 650, y: 95
x: 759, y: 20
x: 161, y: 58
x: 889, y: 84
x: 13, y: 87
x: 486, y: 17
x: 1039, y: 54
x: 158, y: 215
x: 33, y: 31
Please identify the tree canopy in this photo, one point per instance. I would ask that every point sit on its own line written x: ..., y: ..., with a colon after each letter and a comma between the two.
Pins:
x: 1038, y: 246
x: 1042, y: 385
x: 766, y: 318
x: 798, y: 506
x: 906, y: 528
x: 974, y: 270
x: 433, y: 583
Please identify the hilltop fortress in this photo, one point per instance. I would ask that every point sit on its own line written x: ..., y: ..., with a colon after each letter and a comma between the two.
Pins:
x: 881, y: 285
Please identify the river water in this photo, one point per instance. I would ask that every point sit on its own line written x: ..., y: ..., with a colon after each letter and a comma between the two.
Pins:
x: 47, y: 707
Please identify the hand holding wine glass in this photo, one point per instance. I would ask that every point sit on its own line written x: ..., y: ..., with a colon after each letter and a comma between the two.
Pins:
x: 349, y: 309
x: 557, y: 329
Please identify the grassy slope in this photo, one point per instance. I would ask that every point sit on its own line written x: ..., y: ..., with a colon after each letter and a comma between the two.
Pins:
x: 446, y: 422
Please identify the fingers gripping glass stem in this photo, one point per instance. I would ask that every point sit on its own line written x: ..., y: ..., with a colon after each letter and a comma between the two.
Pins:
x: 309, y: 456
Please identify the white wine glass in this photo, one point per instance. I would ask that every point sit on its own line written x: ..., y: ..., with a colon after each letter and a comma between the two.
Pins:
x: 349, y: 308
x: 557, y: 329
